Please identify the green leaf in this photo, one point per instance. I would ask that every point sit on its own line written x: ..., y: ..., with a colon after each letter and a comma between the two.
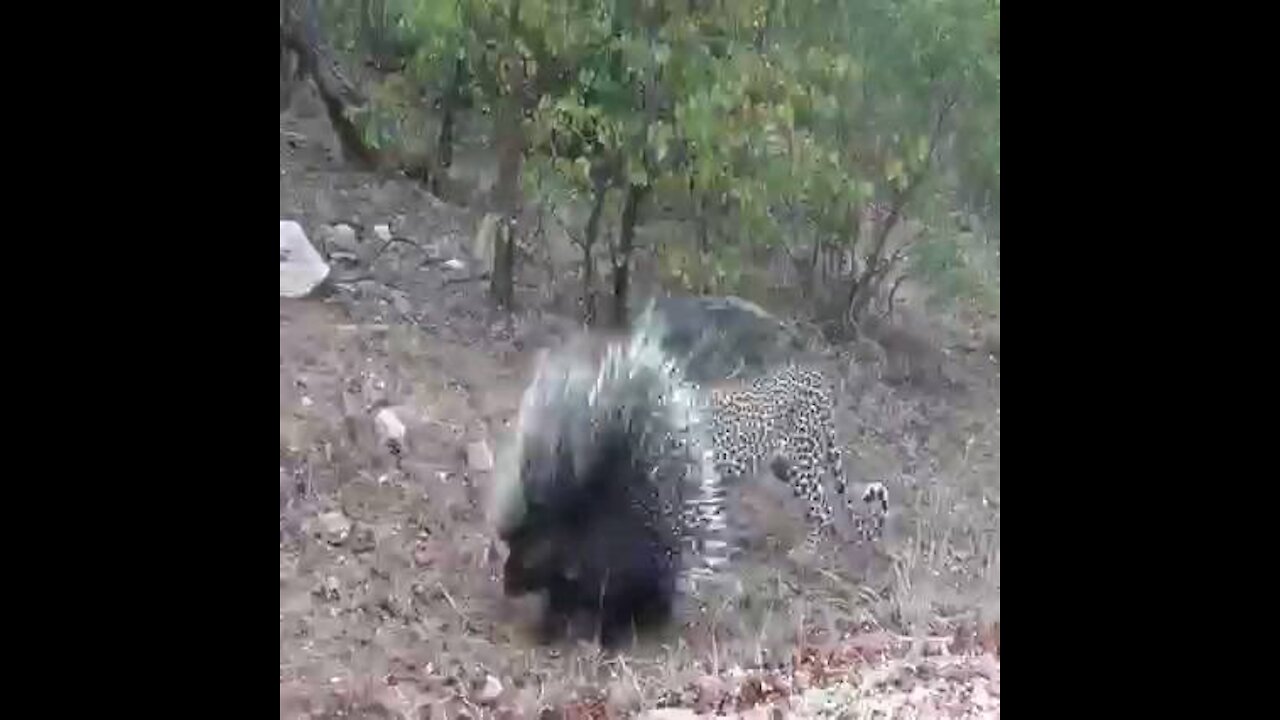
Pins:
x: 893, y: 169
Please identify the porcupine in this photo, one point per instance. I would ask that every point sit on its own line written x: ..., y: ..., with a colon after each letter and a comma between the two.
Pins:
x: 606, y: 495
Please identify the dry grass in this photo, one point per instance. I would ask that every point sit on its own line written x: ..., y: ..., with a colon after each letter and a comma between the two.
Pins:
x: 403, y: 616
x: 407, y: 612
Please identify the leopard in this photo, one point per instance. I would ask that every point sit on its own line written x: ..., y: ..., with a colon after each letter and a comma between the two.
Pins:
x: 784, y: 420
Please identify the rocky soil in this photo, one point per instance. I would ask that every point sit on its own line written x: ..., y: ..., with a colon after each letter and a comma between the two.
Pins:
x: 396, y: 383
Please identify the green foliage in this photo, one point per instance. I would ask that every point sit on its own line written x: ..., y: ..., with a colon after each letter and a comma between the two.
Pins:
x: 772, y: 118
x: 394, y: 118
x: 958, y: 261
x: 939, y: 260
x: 377, y: 28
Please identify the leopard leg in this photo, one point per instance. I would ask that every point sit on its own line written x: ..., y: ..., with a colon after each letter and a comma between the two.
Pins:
x: 870, y: 525
x: 868, y: 521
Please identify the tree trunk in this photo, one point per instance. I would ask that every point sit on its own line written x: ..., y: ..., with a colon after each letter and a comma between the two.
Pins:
x: 300, y: 32
x: 862, y: 289
x: 814, y: 269
x: 511, y: 140
x: 893, y: 291
x: 877, y: 267
x: 588, y: 244
x: 704, y: 246
x: 864, y: 285
x: 368, y: 32
x: 507, y: 201
x: 444, y: 142
x: 622, y: 261
x: 290, y: 73
x: 504, y: 259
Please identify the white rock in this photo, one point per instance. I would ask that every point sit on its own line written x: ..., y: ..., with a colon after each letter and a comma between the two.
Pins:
x: 670, y: 714
x: 334, y: 527
x: 479, y: 456
x: 301, y: 267
x: 383, y: 232
x: 400, y: 301
x: 455, y: 264
x: 343, y: 236
x: 491, y: 691
x: 482, y: 244
x: 389, y: 426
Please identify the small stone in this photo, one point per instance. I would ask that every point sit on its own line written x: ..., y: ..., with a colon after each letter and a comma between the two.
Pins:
x: 491, y: 691
x: 479, y: 456
x: 334, y: 527
x: 871, y: 645
x: 400, y: 301
x: 344, y: 236
x: 708, y: 692
x: 382, y: 232
x: 389, y: 426
x: 363, y: 539
x: 988, y: 667
x: 329, y: 588
x: 623, y: 695
x: 455, y: 264
x: 307, y: 401
x: 422, y: 555
x: 980, y: 696
x: 671, y: 714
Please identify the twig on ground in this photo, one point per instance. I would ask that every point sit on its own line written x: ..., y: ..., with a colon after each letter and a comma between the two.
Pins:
x: 626, y: 670
x: 468, y: 278
x: 764, y: 627
x: 387, y: 244
x: 449, y: 598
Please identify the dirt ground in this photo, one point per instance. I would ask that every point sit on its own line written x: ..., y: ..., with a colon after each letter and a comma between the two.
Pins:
x: 390, y: 596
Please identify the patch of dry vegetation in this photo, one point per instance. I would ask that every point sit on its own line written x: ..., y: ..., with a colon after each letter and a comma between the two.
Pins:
x: 391, y: 604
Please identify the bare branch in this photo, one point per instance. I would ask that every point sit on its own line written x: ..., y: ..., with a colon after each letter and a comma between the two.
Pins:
x: 860, y: 289
x: 897, y: 255
x: 466, y: 279
x: 388, y: 244
x: 888, y: 309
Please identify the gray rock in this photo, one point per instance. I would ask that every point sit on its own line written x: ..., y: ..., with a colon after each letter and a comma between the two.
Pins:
x: 490, y: 692
x: 389, y: 425
x: 343, y: 237
x: 333, y: 527
x: 302, y: 269
x: 670, y: 714
x: 482, y: 244
x: 330, y: 588
x: 363, y: 539
x: 382, y: 232
x: 400, y: 301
